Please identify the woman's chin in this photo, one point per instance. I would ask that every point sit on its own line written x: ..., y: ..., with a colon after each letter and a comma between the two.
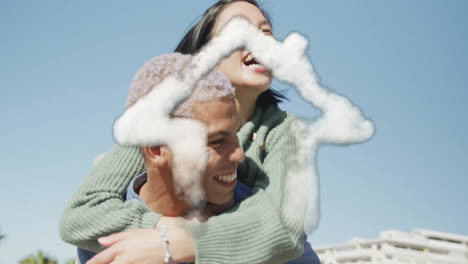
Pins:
x: 257, y: 78
x: 257, y: 84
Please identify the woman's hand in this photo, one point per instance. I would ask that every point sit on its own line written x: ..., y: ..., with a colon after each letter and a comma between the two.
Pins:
x: 145, y: 246
x: 134, y: 246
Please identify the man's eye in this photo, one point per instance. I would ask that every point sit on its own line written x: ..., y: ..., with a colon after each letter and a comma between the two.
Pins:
x: 216, y: 143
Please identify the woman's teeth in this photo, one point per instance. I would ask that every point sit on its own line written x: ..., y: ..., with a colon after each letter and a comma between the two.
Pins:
x: 255, y: 66
x: 226, y: 177
x: 249, y: 60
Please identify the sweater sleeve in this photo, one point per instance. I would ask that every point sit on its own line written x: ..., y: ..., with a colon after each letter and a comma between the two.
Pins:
x: 268, y: 226
x: 99, y: 208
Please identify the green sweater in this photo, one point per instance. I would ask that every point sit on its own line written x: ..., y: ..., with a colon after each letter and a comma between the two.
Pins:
x: 256, y: 231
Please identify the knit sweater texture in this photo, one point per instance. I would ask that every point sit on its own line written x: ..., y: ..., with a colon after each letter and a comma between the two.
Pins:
x: 256, y: 231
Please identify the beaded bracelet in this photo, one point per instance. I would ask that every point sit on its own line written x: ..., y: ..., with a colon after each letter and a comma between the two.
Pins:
x: 167, y: 255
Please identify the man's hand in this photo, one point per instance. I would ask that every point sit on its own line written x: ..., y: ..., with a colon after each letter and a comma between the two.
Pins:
x: 145, y: 246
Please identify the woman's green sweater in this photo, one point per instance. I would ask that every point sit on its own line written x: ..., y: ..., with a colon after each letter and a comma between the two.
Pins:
x: 261, y: 229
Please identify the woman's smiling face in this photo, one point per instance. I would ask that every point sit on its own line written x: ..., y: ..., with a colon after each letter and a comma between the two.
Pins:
x: 248, y: 77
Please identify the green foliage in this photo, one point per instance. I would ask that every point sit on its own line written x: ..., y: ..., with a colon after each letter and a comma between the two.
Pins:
x: 70, y: 261
x: 40, y: 258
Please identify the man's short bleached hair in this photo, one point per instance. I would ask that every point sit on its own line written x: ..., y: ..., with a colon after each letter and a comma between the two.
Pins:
x: 211, y: 87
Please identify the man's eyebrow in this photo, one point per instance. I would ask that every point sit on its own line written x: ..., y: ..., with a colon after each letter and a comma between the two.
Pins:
x: 219, y: 133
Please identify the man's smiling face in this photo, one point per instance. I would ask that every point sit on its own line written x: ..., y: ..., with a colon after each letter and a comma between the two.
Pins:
x: 223, y: 121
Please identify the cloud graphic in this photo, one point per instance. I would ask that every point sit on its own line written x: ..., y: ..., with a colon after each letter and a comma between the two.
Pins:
x: 148, y: 122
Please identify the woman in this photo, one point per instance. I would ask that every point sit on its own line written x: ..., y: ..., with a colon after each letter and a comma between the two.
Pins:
x: 255, y: 231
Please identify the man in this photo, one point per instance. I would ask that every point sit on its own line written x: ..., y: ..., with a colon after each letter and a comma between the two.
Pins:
x: 212, y: 103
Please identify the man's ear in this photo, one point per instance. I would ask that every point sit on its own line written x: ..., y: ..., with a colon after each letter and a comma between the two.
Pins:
x: 152, y: 154
x: 157, y: 157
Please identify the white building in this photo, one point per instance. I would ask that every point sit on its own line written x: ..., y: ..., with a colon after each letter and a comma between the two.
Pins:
x: 418, y: 247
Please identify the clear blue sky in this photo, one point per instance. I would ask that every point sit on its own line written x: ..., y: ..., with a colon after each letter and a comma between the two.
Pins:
x: 65, y: 67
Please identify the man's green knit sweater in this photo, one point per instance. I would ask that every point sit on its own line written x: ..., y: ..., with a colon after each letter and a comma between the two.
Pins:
x: 261, y: 229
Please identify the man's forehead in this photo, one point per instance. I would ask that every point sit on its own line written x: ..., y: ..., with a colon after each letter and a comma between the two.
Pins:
x: 224, y: 126
x: 218, y: 115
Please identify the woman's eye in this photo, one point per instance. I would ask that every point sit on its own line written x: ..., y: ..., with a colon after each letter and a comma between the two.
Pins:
x: 267, y: 31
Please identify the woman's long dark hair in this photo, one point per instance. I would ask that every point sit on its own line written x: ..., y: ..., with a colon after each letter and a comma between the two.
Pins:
x: 200, y: 34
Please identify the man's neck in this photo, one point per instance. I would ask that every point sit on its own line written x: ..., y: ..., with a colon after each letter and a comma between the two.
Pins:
x: 160, y: 196
x: 216, y: 209
x: 202, y: 213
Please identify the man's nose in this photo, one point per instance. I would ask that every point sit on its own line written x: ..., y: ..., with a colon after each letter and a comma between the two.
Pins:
x: 237, y: 154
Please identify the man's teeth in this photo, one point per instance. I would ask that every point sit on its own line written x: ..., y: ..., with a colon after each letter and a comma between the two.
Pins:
x: 227, y: 177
